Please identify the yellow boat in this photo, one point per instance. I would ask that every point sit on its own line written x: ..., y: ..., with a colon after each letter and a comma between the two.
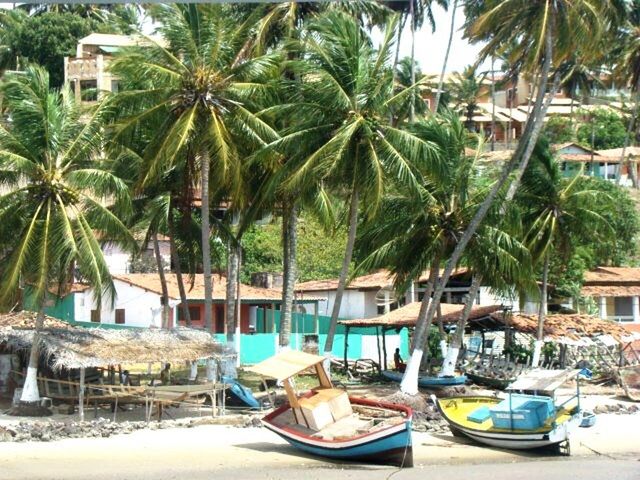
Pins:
x: 528, y: 418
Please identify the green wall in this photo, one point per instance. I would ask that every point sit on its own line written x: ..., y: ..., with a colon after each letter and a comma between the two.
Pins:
x: 62, y: 308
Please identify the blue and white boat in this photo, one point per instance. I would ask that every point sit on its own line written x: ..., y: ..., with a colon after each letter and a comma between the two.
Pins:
x: 427, y: 381
x: 529, y: 417
x: 327, y: 422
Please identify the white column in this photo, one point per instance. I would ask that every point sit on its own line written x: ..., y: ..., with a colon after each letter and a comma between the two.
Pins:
x: 636, y: 309
x: 603, y: 308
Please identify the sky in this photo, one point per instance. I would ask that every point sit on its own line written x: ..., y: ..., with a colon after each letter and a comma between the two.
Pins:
x: 431, y: 47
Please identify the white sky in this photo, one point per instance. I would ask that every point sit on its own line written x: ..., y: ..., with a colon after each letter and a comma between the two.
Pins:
x: 431, y: 47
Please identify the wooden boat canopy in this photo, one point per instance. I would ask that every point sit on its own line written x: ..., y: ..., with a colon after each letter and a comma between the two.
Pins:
x: 286, y: 364
x: 542, y: 380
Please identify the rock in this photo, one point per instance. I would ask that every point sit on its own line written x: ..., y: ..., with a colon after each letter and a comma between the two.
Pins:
x: 6, y: 435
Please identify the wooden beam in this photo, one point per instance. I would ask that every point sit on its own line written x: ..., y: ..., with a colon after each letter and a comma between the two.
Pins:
x: 81, y: 395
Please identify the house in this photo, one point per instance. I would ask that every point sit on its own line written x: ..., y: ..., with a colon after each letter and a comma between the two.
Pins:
x: 138, y: 303
x: 87, y: 72
x: 616, y: 291
x: 371, y: 295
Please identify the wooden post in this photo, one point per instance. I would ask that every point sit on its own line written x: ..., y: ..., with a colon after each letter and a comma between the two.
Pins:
x: 81, y: 396
x: 378, y: 347
x: 316, y: 327
x: 346, y: 348
x: 384, y: 348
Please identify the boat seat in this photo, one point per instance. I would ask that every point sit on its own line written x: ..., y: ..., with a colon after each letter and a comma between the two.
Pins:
x: 338, y: 401
x: 479, y: 415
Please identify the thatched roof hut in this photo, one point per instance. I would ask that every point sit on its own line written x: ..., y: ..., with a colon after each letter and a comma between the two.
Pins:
x: 407, y: 316
x: 73, y: 347
x: 27, y: 320
x: 573, y: 329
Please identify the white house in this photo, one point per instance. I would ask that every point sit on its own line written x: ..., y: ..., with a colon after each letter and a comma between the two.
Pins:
x: 371, y: 295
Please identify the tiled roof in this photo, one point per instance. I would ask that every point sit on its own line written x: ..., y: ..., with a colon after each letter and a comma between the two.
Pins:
x: 407, y: 316
x: 151, y: 282
x: 373, y: 281
x: 610, y: 291
x: 612, y: 276
x: 617, y: 152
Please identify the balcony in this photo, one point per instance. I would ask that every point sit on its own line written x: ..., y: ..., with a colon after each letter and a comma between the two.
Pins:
x: 82, y: 69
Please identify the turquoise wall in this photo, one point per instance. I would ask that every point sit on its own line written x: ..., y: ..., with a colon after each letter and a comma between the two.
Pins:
x: 62, y: 308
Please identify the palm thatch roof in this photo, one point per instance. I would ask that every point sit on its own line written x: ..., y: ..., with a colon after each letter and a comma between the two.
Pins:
x: 27, y: 320
x: 73, y: 347
x: 572, y: 329
x: 407, y: 316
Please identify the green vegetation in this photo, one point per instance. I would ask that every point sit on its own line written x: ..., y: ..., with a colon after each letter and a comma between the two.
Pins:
x: 292, y: 112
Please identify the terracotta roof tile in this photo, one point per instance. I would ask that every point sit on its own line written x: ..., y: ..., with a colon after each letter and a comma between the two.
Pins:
x: 151, y: 282
x: 612, y: 276
x: 373, y: 281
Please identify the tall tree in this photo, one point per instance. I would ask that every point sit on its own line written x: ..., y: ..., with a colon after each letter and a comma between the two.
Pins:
x: 556, y: 211
x: 54, y: 205
x: 347, y: 89
x: 533, y: 28
x: 201, y: 86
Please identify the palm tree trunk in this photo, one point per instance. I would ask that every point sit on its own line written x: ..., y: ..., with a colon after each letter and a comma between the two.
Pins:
x: 409, y: 384
x: 30, y: 394
x: 426, y: 299
x: 542, y: 311
x: 446, y: 56
x: 230, y: 300
x: 401, y: 24
x: 163, y: 282
x: 184, y: 305
x: 627, y: 140
x: 206, y: 247
x: 493, y: 106
x: 412, y: 106
x: 289, y: 243
x: 449, y: 363
x: 344, y: 272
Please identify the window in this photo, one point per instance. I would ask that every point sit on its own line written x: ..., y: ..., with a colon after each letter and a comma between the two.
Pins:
x: 194, y: 313
x: 89, y: 90
x: 120, y: 316
x: 95, y: 316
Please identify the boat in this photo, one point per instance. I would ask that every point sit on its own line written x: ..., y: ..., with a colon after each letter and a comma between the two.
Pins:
x: 629, y: 380
x: 489, y: 381
x: 529, y: 417
x: 426, y: 381
x: 328, y: 422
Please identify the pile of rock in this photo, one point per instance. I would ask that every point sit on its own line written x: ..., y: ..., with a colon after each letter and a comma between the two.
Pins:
x: 618, y: 408
x: 48, y: 431
x: 426, y: 417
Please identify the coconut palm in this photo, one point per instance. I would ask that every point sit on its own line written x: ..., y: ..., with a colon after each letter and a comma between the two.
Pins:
x: 465, y: 89
x: 411, y: 97
x: 200, y: 86
x: 535, y: 28
x: 556, y: 210
x: 446, y: 56
x: 58, y: 203
x: 347, y: 91
x: 412, y: 233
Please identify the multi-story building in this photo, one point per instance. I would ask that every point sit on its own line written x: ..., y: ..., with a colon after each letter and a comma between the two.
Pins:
x: 87, y: 72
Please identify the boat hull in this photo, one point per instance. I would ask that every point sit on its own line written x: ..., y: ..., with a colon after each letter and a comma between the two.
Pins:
x: 428, y: 382
x: 388, y: 446
x: 498, y: 383
x: 514, y: 439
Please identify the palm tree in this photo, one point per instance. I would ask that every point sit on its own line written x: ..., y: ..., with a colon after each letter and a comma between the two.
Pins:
x: 409, y: 94
x: 465, y: 89
x: 556, y: 210
x: 59, y: 201
x: 200, y: 86
x: 446, y: 56
x: 532, y: 27
x: 415, y: 233
x: 347, y: 96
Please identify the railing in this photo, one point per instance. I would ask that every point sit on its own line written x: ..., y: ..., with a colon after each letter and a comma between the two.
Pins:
x: 620, y: 318
x: 83, y: 68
